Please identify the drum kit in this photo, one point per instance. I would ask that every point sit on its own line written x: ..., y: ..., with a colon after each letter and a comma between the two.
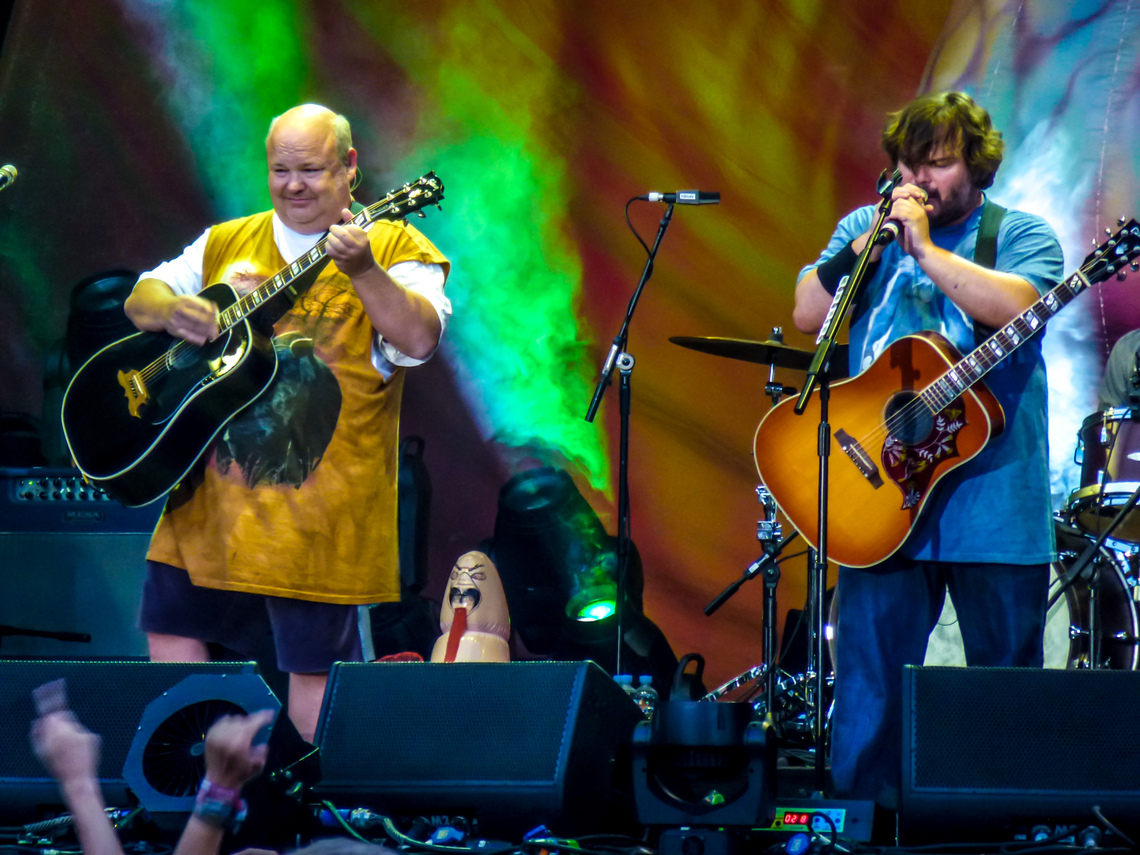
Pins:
x: 1096, y: 579
x: 1099, y: 527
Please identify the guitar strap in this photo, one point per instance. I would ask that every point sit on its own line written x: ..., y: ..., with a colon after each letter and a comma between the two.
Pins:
x: 985, y: 252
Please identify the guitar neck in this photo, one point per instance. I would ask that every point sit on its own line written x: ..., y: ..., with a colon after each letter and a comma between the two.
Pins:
x: 1114, y: 257
x: 289, y: 283
x: 1001, y: 344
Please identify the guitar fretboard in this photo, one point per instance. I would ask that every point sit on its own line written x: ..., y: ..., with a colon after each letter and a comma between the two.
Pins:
x: 297, y: 275
x: 1109, y: 259
x: 316, y: 257
x: 997, y: 347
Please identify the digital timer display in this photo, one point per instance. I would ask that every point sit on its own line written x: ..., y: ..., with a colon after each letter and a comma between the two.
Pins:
x: 795, y: 818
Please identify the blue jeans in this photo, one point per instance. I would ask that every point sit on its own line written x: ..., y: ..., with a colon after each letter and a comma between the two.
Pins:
x: 886, y: 614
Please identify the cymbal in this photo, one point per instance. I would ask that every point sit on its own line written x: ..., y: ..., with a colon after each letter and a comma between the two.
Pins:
x: 766, y: 352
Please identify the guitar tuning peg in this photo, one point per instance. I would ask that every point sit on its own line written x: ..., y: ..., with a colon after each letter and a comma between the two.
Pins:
x: 421, y: 214
x: 1135, y: 265
x: 1121, y: 220
x: 1108, y: 231
x: 1122, y: 275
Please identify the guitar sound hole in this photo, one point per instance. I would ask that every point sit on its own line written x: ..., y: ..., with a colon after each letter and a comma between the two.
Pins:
x: 184, y: 355
x: 909, y: 424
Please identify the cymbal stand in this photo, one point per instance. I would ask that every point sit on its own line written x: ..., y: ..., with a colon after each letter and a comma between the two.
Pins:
x: 773, y: 389
x: 768, y: 532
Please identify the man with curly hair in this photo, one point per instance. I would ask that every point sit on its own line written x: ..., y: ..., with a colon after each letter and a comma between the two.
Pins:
x: 961, y: 266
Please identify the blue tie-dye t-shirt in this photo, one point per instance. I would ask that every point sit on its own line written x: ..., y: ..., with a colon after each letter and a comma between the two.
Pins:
x: 995, y: 508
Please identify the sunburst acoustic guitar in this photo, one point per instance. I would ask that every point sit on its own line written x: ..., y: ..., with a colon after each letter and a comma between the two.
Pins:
x: 917, y: 413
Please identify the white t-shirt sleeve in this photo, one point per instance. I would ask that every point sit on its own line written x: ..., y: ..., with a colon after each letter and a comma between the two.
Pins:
x: 426, y: 280
x: 184, y: 273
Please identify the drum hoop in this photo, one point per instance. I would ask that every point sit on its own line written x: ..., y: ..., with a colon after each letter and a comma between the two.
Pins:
x: 1112, y: 414
x: 1111, y: 489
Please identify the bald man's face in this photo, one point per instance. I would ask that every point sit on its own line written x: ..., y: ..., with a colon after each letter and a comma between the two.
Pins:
x: 309, y: 186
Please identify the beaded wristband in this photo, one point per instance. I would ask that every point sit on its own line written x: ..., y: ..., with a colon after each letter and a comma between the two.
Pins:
x: 219, y: 806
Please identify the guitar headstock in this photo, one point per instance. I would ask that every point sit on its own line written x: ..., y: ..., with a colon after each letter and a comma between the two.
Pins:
x: 425, y: 190
x: 1113, y: 257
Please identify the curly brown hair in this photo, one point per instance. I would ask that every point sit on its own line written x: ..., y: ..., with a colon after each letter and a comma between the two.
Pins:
x: 953, y: 119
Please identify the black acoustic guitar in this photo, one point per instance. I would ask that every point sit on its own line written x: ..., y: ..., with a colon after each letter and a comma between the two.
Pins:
x: 140, y: 412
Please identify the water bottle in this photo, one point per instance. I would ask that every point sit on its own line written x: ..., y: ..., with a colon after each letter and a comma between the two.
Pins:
x: 626, y: 682
x: 645, y: 696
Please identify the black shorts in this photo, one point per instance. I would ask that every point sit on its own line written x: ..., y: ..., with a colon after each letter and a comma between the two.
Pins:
x: 308, y: 636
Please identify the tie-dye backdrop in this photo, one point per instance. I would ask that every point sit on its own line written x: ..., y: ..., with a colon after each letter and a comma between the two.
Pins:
x: 136, y: 123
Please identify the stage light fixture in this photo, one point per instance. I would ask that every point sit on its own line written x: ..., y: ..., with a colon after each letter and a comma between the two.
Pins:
x: 553, y: 554
x: 559, y: 572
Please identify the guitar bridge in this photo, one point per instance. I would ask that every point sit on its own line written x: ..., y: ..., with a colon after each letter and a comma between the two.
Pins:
x: 135, y: 389
x: 859, y: 457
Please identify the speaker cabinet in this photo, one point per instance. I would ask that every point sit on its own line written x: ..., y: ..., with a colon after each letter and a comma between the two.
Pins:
x: 506, y: 745
x: 71, y: 561
x: 991, y: 751
x: 108, y: 698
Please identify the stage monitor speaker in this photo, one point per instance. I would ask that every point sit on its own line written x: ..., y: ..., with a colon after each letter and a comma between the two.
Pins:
x: 72, y: 560
x: 108, y: 698
x: 990, y: 752
x: 508, y: 746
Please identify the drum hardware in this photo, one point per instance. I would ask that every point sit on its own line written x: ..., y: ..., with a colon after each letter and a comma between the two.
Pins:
x: 1108, y: 452
x: 1091, y: 556
x: 774, y: 390
x: 769, y: 532
x: 772, y: 352
x: 1101, y: 604
x: 790, y: 699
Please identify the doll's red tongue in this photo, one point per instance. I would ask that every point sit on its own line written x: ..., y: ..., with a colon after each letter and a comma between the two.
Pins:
x: 458, y: 627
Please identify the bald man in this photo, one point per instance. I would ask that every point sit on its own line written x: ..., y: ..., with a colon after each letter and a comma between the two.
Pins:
x: 288, y: 523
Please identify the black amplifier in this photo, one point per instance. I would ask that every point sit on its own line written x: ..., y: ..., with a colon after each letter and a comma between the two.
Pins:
x: 59, y: 500
x: 72, y: 560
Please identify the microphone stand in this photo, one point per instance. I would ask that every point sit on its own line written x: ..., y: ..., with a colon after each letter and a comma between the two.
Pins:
x: 819, y: 372
x: 625, y: 362
x: 6, y: 630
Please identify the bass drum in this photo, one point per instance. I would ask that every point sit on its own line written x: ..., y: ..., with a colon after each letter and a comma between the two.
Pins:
x: 1117, y: 625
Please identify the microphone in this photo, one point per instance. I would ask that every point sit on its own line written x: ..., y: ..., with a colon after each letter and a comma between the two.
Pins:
x: 684, y: 197
x: 890, y: 230
x: 8, y: 175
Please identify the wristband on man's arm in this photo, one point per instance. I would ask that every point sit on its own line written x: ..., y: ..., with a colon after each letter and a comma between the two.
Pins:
x: 835, y: 268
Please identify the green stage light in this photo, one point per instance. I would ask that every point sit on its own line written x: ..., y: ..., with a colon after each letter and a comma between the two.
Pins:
x: 599, y: 607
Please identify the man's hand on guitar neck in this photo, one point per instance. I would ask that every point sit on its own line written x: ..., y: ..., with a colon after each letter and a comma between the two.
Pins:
x: 153, y: 307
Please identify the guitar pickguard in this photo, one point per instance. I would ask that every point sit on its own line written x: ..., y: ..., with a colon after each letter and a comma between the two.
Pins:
x: 911, y: 467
